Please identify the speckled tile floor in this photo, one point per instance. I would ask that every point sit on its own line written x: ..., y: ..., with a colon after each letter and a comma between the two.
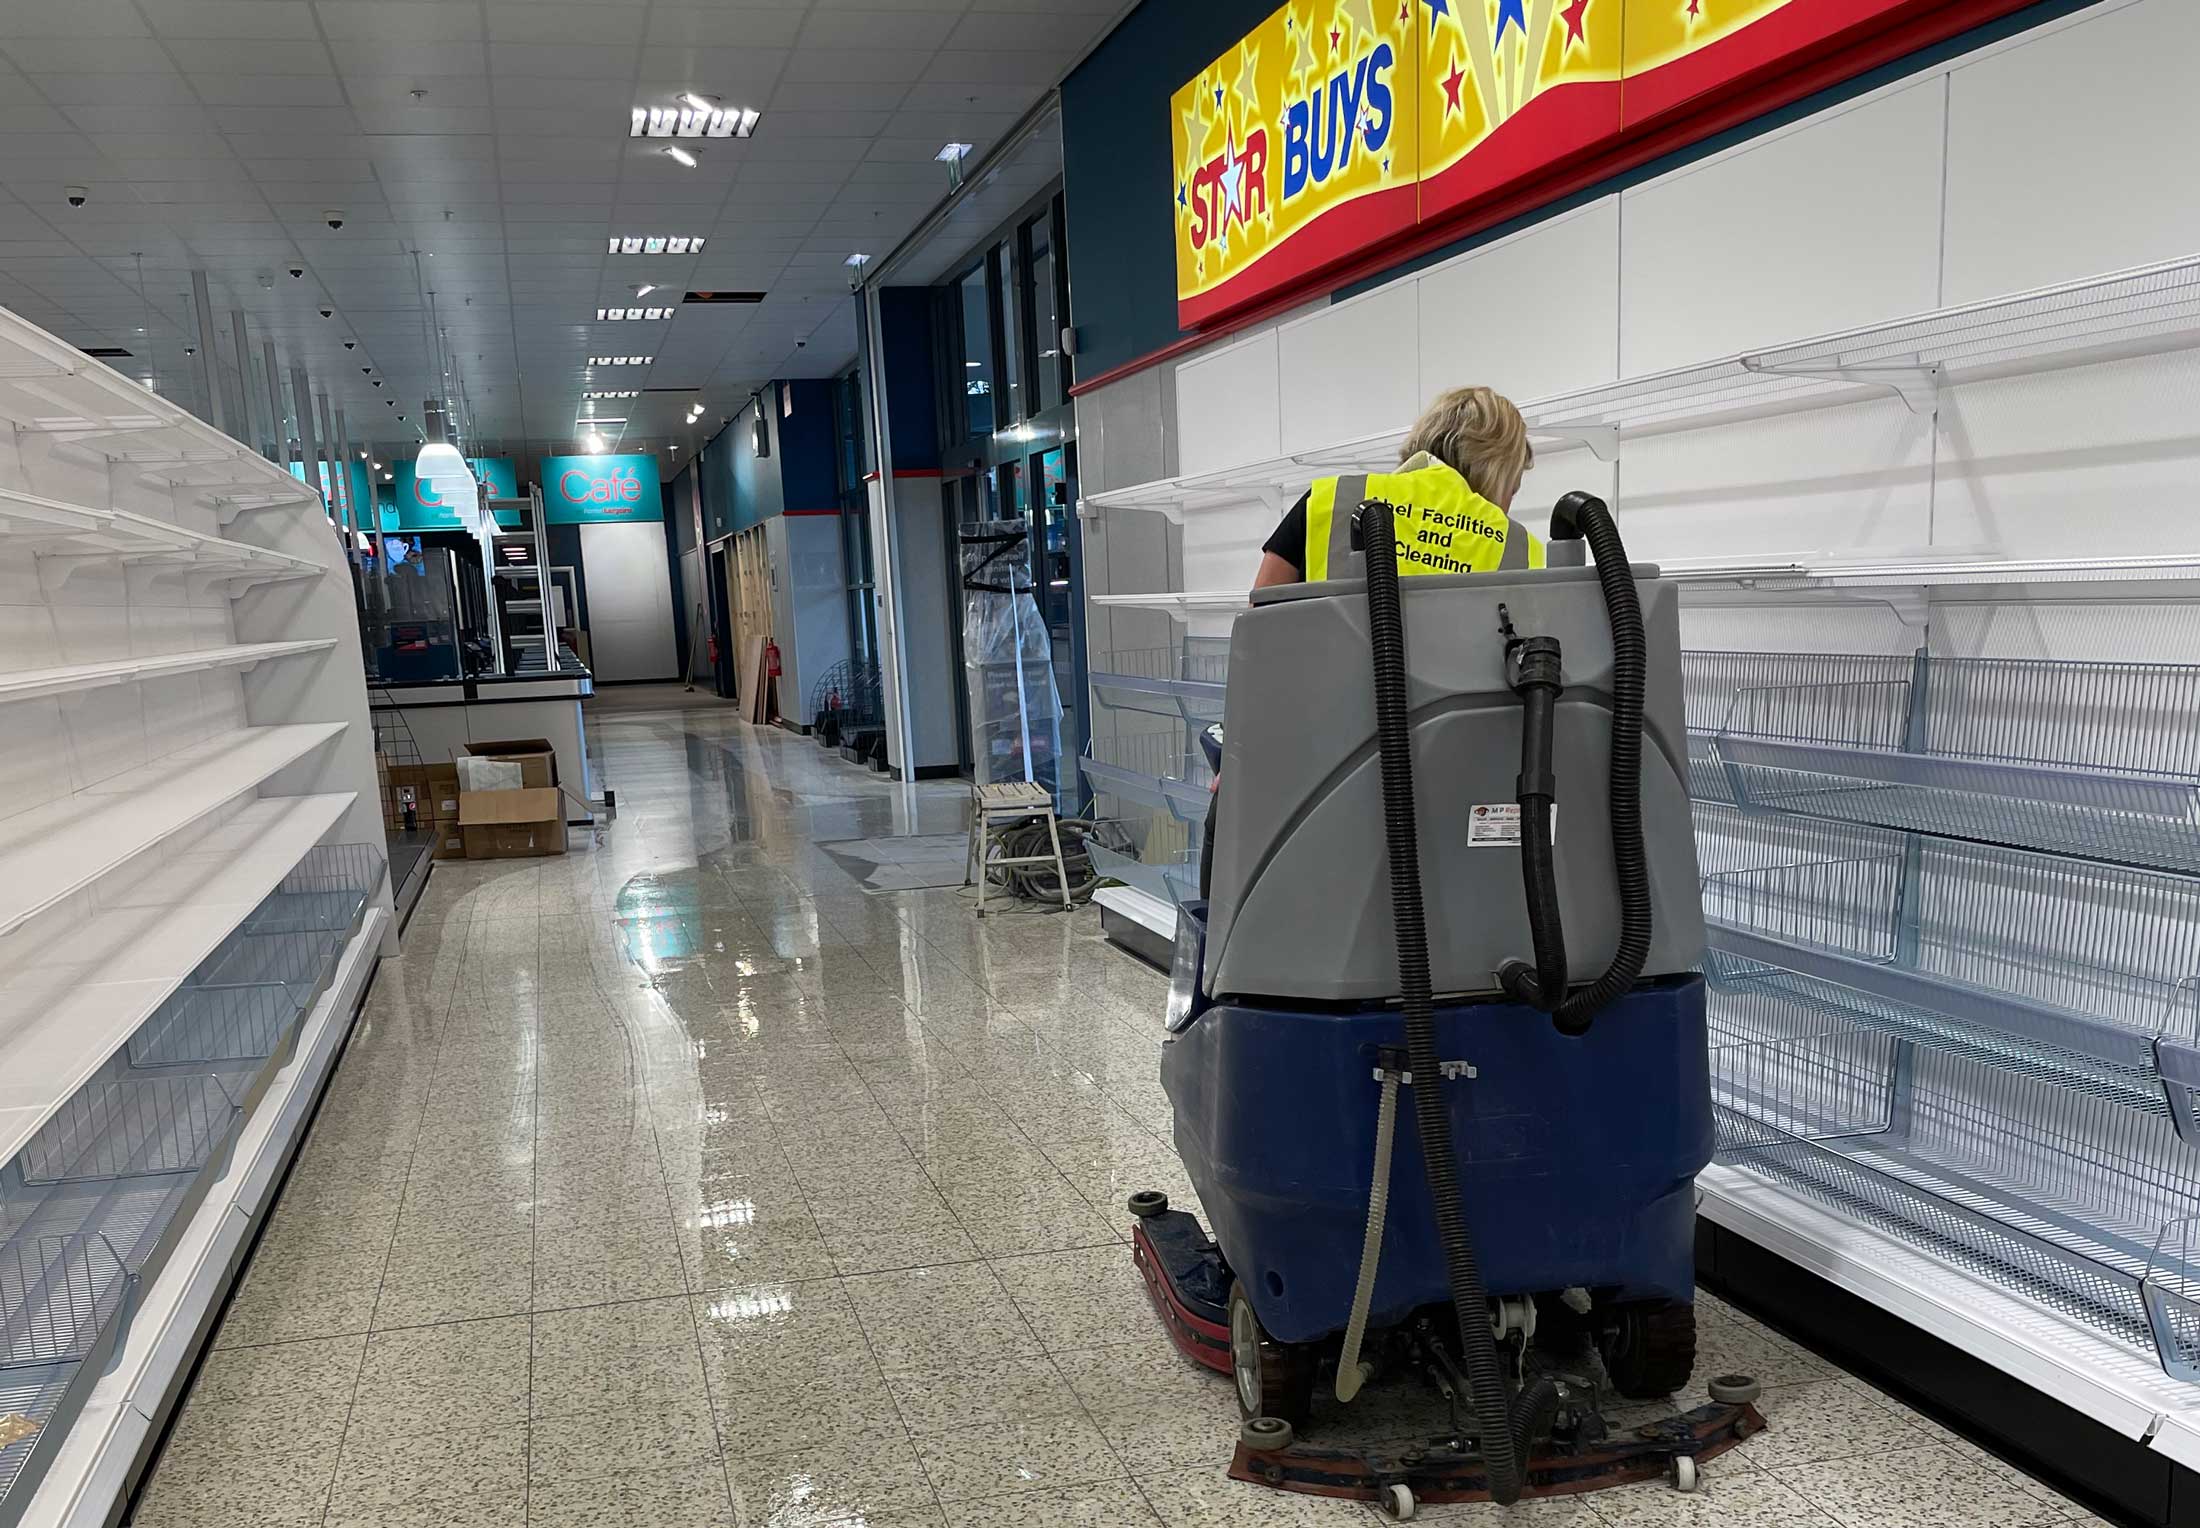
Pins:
x: 678, y: 1183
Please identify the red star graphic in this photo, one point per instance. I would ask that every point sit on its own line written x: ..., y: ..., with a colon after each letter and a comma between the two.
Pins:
x: 1451, y: 89
x: 1336, y: 38
x: 1695, y: 9
x: 1572, y: 16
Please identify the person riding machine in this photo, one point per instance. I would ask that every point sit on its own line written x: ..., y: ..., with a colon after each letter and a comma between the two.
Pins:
x: 1463, y: 896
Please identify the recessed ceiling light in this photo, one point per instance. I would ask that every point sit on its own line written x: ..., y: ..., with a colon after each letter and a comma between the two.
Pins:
x: 949, y: 153
x: 695, y: 117
x: 654, y: 244
x: 616, y: 315
x: 599, y: 420
x: 679, y: 155
x: 620, y: 360
x: 629, y: 393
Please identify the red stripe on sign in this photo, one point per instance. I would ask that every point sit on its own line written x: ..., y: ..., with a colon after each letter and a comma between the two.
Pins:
x: 791, y: 513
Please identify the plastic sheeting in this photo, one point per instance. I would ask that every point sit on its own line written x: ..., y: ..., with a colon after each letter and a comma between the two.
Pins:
x: 1008, y: 660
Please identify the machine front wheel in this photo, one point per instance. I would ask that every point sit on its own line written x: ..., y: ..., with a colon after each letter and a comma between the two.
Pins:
x: 1649, y: 1348
x: 1274, y: 1379
x: 1398, y: 1504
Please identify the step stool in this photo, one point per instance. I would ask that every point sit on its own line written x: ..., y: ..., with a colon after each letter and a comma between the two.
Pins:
x: 1010, y: 801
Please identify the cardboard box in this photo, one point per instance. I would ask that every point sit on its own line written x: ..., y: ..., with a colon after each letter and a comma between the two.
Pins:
x: 442, y: 793
x: 512, y: 824
x: 538, y: 761
x: 450, y: 840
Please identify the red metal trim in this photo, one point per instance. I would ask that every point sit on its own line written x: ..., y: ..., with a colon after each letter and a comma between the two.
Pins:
x: 1709, y: 116
x: 791, y: 513
x: 1202, y: 1341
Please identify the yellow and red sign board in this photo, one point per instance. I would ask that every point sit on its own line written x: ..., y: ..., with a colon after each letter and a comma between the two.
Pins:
x: 1336, y: 126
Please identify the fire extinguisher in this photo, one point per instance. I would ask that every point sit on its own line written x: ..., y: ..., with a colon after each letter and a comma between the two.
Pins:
x: 771, y: 659
x: 713, y: 648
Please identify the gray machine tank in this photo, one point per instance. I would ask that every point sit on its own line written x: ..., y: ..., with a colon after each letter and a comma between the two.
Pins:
x: 1299, y: 903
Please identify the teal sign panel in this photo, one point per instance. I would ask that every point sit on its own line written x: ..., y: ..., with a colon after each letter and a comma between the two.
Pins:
x: 582, y: 490
x: 362, y: 493
x: 419, y: 508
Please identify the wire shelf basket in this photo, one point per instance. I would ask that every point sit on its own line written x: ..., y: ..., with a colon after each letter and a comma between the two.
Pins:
x: 2069, y: 971
x: 131, y: 1127
x: 2049, y: 1192
x: 2098, y: 760
x: 204, y: 1024
x: 1186, y: 683
x: 57, y: 1294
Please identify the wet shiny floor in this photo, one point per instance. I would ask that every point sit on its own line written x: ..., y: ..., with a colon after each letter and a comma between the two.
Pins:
x: 677, y: 1182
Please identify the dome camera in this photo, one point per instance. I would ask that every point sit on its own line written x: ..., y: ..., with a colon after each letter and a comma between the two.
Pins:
x: 351, y: 344
x: 364, y: 371
x: 297, y: 271
x: 328, y: 312
x: 334, y: 219
x: 378, y: 383
x: 77, y: 196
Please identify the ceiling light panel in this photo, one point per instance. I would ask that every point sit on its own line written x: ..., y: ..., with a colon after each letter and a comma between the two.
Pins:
x: 627, y: 393
x: 620, y: 360
x: 619, y: 315
x: 655, y: 244
x: 685, y: 121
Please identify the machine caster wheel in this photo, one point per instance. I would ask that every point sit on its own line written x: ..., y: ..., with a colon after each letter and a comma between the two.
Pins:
x: 1274, y: 1379
x: 1683, y: 1474
x: 1649, y: 1348
x: 1397, y: 1503
x: 1266, y: 1435
x: 1148, y: 1202
x: 1735, y: 1389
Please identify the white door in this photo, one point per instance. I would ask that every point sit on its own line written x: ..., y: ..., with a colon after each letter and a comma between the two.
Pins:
x: 630, y: 618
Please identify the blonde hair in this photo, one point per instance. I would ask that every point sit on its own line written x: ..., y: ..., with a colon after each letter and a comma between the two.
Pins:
x: 1480, y: 435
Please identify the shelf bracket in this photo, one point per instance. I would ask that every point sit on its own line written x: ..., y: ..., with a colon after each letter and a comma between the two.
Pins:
x: 1917, y: 386
x: 1600, y: 440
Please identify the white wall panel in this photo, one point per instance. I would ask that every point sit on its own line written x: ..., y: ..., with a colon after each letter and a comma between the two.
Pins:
x: 2070, y: 153
x: 1831, y: 225
x: 1229, y: 406
x: 1533, y: 315
x: 629, y: 601
x: 1351, y: 370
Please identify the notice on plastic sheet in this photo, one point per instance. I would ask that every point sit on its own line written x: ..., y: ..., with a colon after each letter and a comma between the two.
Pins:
x: 1496, y: 825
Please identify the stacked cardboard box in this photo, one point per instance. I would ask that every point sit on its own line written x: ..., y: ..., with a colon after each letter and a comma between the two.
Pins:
x: 431, y: 792
x: 514, y: 824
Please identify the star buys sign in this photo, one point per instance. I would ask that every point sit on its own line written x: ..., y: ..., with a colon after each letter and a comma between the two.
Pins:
x: 616, y: 490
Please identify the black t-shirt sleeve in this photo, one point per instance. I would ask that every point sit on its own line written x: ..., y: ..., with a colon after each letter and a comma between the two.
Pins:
x: 1288, y: 541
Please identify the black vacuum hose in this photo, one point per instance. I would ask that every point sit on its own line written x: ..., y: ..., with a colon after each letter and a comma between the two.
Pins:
x: 1581, y: 516
x: 1487, y: 1390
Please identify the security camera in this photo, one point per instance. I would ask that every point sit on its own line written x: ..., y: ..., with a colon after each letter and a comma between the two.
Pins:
x: 801, y: 344
x: 378, y: 383
x: 190, y: 350
x: 351, y: 344
x: 77, y: 196
x: 297, y: 271
x: 335, y: 219
x: 328, y: 312
x: 364, y: 371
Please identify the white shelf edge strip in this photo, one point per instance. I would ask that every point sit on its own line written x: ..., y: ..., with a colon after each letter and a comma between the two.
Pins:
x: 73, y: 842
x: 83, y: 532
x: 1148, y: 912
x: 81, y: 1025
x: 85, y: 1484
x: 30, y: 684
x: 2118, y: 1386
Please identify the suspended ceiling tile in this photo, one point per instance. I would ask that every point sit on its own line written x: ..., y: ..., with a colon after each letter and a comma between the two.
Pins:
x: 911, y: 29
x: 72, y: 90
x: 730, y: 73
x: 85, y: 55
x: 597, y: 24
x: 245, y: 20
x: 448, y: 71
x: 723, y: 26
x: 274, y: 56
x: 534, y: 62
x: 854, y: 66
x: 420, y: 20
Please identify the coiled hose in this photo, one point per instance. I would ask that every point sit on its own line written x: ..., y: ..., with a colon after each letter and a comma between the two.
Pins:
x: 1350, y: 1376
x: 1491, y: 1403
x: 1581, y: 516
x: 1036, y: 883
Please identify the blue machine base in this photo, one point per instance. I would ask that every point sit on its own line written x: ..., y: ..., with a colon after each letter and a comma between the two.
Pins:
x: 1577, y: 1157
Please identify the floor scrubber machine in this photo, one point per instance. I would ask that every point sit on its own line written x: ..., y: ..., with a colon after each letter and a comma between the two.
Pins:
x: 1435, y: 1044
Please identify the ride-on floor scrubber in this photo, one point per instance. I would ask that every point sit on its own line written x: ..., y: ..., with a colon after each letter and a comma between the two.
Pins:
x: 1470, y: 883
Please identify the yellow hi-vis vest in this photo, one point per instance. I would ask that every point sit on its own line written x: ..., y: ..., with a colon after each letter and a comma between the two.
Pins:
x: 1442, y: 525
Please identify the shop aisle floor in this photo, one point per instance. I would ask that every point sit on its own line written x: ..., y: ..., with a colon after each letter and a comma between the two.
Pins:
x: 677, y: 1182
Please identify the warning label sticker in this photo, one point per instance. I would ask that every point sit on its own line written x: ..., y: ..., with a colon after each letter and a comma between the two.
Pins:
x: 1496, y: 825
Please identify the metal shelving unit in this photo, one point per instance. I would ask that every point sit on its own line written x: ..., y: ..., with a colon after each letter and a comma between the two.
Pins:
x: 1954, y: 913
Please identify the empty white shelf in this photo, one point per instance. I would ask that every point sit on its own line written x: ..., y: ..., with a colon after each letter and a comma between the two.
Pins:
x: 30, y: 684
x: 1179, y: 603
x: 67, y: 532
x: 71, y: 1003
x: 2124, y: 313
x: 53, y: 851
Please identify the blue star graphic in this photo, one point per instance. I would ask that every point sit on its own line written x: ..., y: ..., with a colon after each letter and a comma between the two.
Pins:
x: 1218, y: 88
x: 1510, y: 10
x: 1182, y: 199
x: 1438, y: 8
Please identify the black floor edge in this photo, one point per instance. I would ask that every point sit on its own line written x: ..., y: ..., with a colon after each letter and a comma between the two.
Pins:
x: 2124, y: 1481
